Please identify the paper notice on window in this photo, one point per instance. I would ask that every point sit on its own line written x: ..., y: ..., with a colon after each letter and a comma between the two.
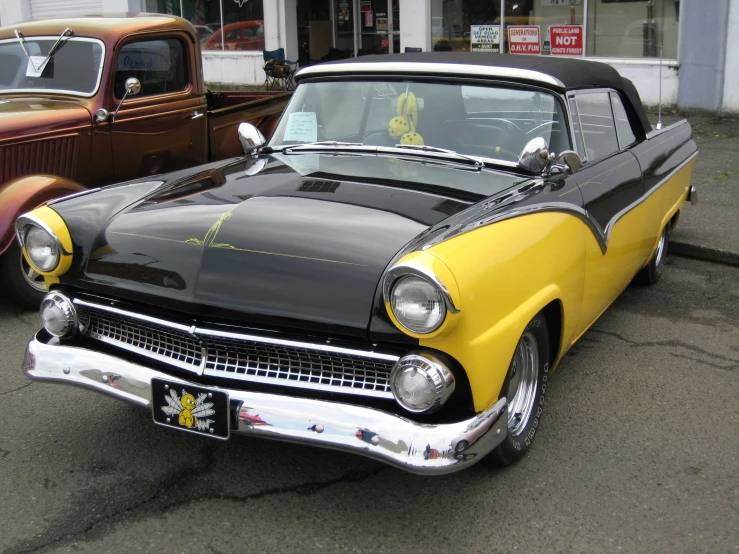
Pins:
x: 301, y: 127
x: 36, y: 65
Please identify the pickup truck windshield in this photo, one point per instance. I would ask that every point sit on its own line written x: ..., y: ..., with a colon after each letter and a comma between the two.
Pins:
x: 486, y: 121
x: 74, y: 68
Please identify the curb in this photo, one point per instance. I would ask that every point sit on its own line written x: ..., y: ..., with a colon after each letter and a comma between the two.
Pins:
x: 703, y: 253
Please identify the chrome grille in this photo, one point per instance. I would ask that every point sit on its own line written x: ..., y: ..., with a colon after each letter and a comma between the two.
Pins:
x: 241, y: 357
x: 172, y: 346
x: 246, y: 360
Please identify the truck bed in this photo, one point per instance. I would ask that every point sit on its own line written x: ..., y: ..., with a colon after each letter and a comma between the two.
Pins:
x: 227, y: 109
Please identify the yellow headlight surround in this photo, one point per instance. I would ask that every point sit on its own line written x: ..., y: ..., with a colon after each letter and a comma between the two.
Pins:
x: 53, y: 222
x: 424, y: 263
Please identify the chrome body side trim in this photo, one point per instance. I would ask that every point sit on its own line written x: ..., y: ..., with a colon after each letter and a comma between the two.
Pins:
x: 395, y: 440
x: 657, y: 132
x: 26, y: 220
x: 603, y: 236
x: 424, y: 68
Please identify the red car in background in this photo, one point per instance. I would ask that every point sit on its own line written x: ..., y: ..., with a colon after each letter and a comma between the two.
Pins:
x: 243, y: 35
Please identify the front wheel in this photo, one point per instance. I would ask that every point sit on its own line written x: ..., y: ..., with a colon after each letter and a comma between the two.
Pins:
x: 525, y: 387
x: 21, y: 283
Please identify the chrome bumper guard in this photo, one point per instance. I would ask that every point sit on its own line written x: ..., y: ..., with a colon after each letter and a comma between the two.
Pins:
x: 414, y: 447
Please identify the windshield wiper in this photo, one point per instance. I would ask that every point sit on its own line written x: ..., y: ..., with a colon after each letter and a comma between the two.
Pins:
x: 52, y: 51
x: 311, y: 145
x: 426, y: 148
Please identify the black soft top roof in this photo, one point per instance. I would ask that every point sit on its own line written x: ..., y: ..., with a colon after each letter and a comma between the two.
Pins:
x: 571, y: 73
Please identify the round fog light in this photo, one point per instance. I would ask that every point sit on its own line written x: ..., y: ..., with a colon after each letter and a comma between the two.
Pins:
x: 421, y: 383
x: 58, y: 315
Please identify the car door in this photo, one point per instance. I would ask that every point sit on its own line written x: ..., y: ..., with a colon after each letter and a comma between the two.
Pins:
x: 163, y: 127
x: 610, y: 182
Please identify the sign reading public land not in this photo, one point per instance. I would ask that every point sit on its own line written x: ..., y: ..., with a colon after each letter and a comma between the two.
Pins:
x: 485, y: 38
x: 524, y: 39
x: 566, y: 40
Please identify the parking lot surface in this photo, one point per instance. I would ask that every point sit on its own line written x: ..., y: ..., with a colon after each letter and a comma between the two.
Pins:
x: 638, y: 452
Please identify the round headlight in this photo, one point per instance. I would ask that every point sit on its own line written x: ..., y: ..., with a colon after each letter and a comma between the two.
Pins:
x: 58, y: 315
x: 41, y: 248
x: 420, y: 383
x: 417, y: 304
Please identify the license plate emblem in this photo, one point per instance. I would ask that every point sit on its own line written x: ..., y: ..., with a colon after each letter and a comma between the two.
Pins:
x: 189, y: 408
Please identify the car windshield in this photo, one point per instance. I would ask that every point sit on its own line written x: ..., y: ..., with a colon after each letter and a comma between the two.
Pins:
x: 74, y: 67
x: 484, y: 121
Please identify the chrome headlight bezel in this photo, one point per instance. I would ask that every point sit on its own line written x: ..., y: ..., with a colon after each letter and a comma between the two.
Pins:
x: 23, y: 225
x: 394, y: 276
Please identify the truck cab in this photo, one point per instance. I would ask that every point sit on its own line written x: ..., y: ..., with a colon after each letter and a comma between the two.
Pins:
x: 87, y: 102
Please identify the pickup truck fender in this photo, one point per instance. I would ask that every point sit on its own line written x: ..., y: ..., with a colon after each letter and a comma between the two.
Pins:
x: 26, y: 193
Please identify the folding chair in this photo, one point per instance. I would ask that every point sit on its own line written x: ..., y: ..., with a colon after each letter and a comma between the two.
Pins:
x: 279, y: 72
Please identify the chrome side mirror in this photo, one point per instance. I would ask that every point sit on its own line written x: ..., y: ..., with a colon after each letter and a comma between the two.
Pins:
x: 534, y: 156
x: 251, y: 138
x: 567, y: 161
x: 133, y: 87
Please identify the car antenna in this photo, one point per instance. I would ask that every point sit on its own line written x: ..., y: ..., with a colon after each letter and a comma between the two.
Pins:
x: 659, y: 104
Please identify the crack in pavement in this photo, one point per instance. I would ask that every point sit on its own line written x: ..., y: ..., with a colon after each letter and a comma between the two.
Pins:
x: 177, y: 491
x: 677, y: 344
x: 16, y: 390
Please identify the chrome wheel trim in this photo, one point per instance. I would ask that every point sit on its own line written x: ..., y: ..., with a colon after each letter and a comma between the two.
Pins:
x: 34, y: 279
x: 659, y: 255
x: 523, y: 383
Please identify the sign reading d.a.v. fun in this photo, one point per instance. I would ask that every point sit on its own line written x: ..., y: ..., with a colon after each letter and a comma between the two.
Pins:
x: 524, y: 39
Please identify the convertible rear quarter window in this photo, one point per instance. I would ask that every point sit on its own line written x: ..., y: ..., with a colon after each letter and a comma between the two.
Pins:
x: 598, y: 128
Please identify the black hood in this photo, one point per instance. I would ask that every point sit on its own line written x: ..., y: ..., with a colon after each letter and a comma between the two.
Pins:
x: 289, y: 240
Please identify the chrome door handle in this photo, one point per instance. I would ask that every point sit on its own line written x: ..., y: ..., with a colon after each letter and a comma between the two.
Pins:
x: 197, y: 115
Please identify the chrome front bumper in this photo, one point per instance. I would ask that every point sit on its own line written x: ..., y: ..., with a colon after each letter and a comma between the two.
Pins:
x: 414, y: 447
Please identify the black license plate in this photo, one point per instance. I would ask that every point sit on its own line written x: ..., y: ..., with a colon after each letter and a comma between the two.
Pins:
x: 189, y: 408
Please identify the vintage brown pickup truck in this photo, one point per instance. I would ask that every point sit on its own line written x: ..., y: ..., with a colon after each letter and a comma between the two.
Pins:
x: 91, y: 101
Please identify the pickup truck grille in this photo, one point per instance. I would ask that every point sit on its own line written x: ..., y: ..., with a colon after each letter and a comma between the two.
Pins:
x: 241, y: 357
x: 57, y: 156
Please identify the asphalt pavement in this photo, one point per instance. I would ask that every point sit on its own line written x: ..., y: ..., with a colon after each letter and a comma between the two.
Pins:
x: 637, y: 452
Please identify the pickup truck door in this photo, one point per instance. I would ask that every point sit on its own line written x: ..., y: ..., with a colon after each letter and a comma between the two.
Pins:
x: 164, y: 127
x: 610, y: 182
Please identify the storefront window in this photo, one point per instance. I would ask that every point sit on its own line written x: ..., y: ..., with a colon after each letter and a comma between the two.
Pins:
x: 633, y: 28
x: 243, y: 21
x: 614, y: 28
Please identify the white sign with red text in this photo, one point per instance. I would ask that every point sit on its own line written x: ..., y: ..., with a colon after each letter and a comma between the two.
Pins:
x: 524, y: 39
x: 566, y: 40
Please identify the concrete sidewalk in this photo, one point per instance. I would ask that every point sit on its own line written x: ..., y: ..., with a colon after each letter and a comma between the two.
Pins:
x: 710, y: 229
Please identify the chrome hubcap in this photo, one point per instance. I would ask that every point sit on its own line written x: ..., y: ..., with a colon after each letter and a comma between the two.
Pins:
x: 522, y: 386
x: 659, y: 255
x: 34, y: 279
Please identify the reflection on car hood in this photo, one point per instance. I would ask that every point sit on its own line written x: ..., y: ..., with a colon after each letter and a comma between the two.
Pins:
x: 262, y: 243
x: 25, y: 116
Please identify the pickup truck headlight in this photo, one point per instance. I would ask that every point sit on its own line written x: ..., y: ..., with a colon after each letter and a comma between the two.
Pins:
x: 41, y: 248
x: 417, y: 304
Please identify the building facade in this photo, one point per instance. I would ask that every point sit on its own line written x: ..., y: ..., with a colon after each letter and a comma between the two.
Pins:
x: 678, y: 50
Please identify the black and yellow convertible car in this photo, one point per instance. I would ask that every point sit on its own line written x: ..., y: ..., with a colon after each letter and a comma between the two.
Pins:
x: 395, y: 273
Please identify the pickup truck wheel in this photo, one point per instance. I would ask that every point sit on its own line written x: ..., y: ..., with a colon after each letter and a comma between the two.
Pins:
x: 651, y: 274
x: 21, y: 283
x: 525, y: 387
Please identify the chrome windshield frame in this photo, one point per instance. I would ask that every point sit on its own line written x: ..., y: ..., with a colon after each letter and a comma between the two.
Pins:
x: 59, y: 91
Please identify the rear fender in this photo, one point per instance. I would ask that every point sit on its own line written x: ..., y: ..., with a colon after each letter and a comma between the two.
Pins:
x: 26, y: 193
